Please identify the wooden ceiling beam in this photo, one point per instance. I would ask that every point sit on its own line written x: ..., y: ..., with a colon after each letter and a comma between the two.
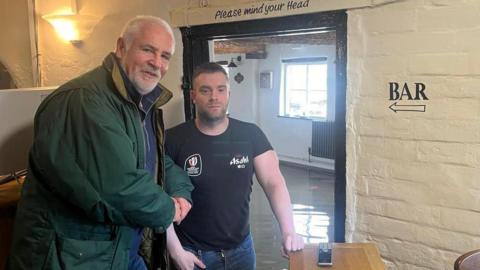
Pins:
x: 258, y: 44
x: 225, y: 47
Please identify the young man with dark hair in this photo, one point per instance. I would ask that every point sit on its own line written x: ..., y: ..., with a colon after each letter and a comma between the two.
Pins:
x: 220, y: 154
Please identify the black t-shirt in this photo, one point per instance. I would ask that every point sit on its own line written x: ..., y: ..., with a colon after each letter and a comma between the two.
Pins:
x: 221, y: 169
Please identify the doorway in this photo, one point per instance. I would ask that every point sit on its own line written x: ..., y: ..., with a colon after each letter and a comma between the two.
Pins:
x: 197, y: 42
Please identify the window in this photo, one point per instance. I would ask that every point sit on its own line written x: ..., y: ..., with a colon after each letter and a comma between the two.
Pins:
x: 304, y: 88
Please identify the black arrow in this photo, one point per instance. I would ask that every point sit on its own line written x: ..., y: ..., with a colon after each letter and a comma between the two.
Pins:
x: 407, y: 108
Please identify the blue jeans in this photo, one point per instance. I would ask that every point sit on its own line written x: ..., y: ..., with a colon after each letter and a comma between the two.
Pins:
x: 136, y: 262
x: 240, y: 258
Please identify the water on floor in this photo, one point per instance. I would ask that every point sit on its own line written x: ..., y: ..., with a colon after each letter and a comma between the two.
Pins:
x: 312, y: 195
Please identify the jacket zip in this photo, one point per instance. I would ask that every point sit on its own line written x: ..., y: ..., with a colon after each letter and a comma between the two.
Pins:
x: 143, y: 136
x: 144, y: 133
x: 146, y: 142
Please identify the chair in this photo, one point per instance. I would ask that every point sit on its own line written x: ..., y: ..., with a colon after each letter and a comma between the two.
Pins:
x: 468, y: 261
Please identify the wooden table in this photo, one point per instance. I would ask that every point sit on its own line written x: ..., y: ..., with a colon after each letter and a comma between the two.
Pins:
x: 346, y: 256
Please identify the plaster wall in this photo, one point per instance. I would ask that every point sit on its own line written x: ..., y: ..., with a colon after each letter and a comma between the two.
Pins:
x: 15, y: 42
x: 61, y: 61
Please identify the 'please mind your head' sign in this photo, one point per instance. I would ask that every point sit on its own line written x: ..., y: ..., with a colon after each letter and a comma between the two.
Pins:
x: 261, y: 9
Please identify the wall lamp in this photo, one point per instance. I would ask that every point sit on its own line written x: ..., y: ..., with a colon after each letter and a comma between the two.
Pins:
x: 72, y: 27
x: 63, y: 15
x: 232, y: 63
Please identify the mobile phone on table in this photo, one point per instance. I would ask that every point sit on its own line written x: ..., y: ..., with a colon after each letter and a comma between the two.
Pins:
x: 325, y: 254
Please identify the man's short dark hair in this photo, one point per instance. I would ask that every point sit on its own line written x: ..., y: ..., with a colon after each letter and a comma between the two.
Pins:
x: 208, y: 67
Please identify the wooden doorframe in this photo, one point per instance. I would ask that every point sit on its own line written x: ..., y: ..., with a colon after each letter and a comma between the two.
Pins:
x: 195, y: 51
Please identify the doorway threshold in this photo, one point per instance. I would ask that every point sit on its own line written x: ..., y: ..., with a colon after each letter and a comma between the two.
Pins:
x: 320, y: 164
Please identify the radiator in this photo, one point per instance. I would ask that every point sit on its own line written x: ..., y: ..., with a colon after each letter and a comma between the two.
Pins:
x: 323, y: 139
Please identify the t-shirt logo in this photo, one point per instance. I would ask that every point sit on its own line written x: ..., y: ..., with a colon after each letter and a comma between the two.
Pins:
x: 193, y: 165
x: 239, y: 161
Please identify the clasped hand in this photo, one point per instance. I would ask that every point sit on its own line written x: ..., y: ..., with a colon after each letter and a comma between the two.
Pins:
x: 182, y: 207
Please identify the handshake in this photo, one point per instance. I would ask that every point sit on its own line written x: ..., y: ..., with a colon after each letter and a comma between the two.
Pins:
x: 182, y: 207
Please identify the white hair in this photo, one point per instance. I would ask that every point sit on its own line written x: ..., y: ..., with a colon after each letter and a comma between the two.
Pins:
x: 134, y: 26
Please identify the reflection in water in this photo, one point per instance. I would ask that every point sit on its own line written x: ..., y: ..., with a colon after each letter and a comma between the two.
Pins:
x: 312, y: 195
x: 311, y: 224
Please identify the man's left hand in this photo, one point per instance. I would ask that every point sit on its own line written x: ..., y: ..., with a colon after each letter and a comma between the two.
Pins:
x: 185, y: 207
x: 291, y: 242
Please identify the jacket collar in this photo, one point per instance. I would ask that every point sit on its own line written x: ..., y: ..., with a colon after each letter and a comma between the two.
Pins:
x: 110, y: 63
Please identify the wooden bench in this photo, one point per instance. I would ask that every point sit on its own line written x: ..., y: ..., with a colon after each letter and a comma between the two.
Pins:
x: 9, y: 195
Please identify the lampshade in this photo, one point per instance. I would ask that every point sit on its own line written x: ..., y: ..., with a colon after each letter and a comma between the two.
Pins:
x: 72, y: 27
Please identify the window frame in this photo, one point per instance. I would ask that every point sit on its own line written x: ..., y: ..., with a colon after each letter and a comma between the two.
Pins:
x: 283, y: 112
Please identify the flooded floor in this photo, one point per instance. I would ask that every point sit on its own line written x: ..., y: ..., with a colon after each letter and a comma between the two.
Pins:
x: 312, y: 194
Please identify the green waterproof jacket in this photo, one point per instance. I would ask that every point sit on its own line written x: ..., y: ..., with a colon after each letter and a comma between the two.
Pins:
x: 87, y: 188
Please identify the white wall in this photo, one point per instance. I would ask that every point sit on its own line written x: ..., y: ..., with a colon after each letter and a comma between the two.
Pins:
x: 413, y: 178
x: 17, y: 109
x: 243, y: 95
x: 291, y: 137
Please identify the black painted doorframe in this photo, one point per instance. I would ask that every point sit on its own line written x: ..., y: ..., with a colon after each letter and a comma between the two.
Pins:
x: 195, y: 51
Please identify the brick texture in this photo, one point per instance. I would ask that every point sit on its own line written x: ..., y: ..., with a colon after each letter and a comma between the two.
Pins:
x: 413, y: 178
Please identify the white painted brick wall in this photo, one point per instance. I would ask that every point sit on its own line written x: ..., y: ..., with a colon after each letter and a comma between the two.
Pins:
x: 413, y: 179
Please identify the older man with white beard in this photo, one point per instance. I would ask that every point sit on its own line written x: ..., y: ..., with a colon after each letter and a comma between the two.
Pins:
x: 98, y: 173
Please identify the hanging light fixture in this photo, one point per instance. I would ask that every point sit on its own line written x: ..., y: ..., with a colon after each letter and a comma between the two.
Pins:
x: 232, y: 64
